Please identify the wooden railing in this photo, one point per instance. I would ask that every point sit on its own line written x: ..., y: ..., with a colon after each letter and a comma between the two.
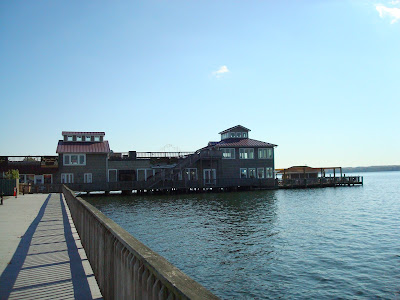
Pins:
x: 321, y: 181
x: 124, y: 267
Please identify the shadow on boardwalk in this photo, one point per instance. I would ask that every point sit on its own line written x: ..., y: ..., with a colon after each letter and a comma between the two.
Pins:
x: 49, y: 261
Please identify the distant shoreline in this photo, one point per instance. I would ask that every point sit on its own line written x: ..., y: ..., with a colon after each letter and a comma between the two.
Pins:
x: 371, y: 169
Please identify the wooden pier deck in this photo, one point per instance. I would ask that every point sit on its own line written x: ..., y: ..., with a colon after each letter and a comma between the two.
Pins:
x: 320, y: 182
x: 182, y: 186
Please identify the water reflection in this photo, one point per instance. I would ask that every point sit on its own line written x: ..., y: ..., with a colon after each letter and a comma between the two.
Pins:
x: 318, y: 243
x: 231, y: 233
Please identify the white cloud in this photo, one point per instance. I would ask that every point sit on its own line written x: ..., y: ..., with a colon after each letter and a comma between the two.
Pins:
x: 391, y: 12
x: 222, y: 70
x: 395, y: 2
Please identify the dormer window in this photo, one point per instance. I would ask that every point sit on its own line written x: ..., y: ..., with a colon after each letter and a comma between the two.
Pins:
x: 70, y: 138
x: 236, y: 132
x: 79, y: 138
x: 97, y: 139
x: 88, y: 138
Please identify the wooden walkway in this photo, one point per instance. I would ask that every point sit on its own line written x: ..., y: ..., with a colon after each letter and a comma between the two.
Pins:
x: 49, y: 261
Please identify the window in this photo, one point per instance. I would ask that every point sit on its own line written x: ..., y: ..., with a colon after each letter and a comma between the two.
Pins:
x: 210, y: 176
x: 244, y: 134
x: 246, y: 153
x: 97, y: 139
x: 74, y: 159
x: 232, y: 134
x: 79, y: 139
x: 264, y: 153
x: 252, y: 172
x: 260, y: 173
x: 30, y: 178
x: 238, y: 134
x: 191, y: 174
x: 112, y: 175
x: 39, y: 179
x: 70, y: 138
x: 88, y: 138
x: 269, y: 173
x: 48, y: 178
x: 67, y: 178
x: 22, y: 178
x: 243, y: 173
x: 87, y: 178
x: 228, y: 153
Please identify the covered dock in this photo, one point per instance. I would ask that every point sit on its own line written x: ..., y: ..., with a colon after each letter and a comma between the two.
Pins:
x: 309, y: 177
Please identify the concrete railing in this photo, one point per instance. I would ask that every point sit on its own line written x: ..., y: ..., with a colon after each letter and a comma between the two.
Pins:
x: 124, y: 267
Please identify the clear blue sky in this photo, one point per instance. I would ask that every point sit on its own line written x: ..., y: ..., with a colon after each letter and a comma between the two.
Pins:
x: 318, y: 78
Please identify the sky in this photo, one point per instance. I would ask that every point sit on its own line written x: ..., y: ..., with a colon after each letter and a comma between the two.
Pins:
x: 320, y: 79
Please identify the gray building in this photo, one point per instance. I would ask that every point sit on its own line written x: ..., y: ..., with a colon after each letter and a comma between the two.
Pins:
x: 82, y: 158
x: 236, y: 160
x: 86, y: 163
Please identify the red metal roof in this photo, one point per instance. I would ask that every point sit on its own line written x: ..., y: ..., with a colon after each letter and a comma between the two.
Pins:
x: 243, y: 143
x: 299, y: 169
x: 83, y: 147
x: 83, y: 133
x: 237, y: 126
x: 302, y: 169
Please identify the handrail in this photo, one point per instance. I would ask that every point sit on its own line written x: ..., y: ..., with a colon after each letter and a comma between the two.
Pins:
x: 123, y: 266
x: 163, y: 154
x: 344, y: 180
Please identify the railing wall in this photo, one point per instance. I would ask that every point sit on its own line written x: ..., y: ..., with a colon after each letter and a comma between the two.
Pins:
x: 124, y: 267
x: 323, y: 181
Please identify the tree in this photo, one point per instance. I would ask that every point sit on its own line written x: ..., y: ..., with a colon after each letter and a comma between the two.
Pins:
x: 12, y: 174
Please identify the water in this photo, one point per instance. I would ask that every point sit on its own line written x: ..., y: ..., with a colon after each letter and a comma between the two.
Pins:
x: 327, y: 243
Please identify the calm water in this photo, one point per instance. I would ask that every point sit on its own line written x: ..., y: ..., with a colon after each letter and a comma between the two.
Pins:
x: 294, y: 244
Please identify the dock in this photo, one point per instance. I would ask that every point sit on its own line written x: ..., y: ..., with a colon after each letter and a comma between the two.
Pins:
x: 307, y: 177
x: 58, y: 246
x: 40, y: 252
x: 320, y: 182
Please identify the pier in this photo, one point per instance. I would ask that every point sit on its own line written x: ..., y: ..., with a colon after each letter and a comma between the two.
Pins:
x: 185, y: 186
x: 307, y: 177
x: 320, y: 182
x: 40, y: 252
x: 59, y: 246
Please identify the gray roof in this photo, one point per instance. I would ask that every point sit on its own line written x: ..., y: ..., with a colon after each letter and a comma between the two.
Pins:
x: 234, y: 127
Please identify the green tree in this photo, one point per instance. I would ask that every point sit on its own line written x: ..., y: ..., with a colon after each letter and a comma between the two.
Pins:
x: 12, y: 174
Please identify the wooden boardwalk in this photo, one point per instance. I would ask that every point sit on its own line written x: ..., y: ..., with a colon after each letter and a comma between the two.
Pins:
x: 320, y: 182
x: 49, y: 261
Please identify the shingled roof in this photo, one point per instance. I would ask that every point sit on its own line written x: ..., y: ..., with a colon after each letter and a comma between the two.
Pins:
x: 83, y: 147
x: 234, y: 127
x: 243, y: 143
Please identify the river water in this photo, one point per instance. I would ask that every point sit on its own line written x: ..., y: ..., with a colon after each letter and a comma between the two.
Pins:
x: 326, y: 243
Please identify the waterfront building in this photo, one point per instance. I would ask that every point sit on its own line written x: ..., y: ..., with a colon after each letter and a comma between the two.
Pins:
x: 85, y: 162
x: 35, y: 170
x: 234, y: 161
x: 300, y: 172
x: 82, y: 157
